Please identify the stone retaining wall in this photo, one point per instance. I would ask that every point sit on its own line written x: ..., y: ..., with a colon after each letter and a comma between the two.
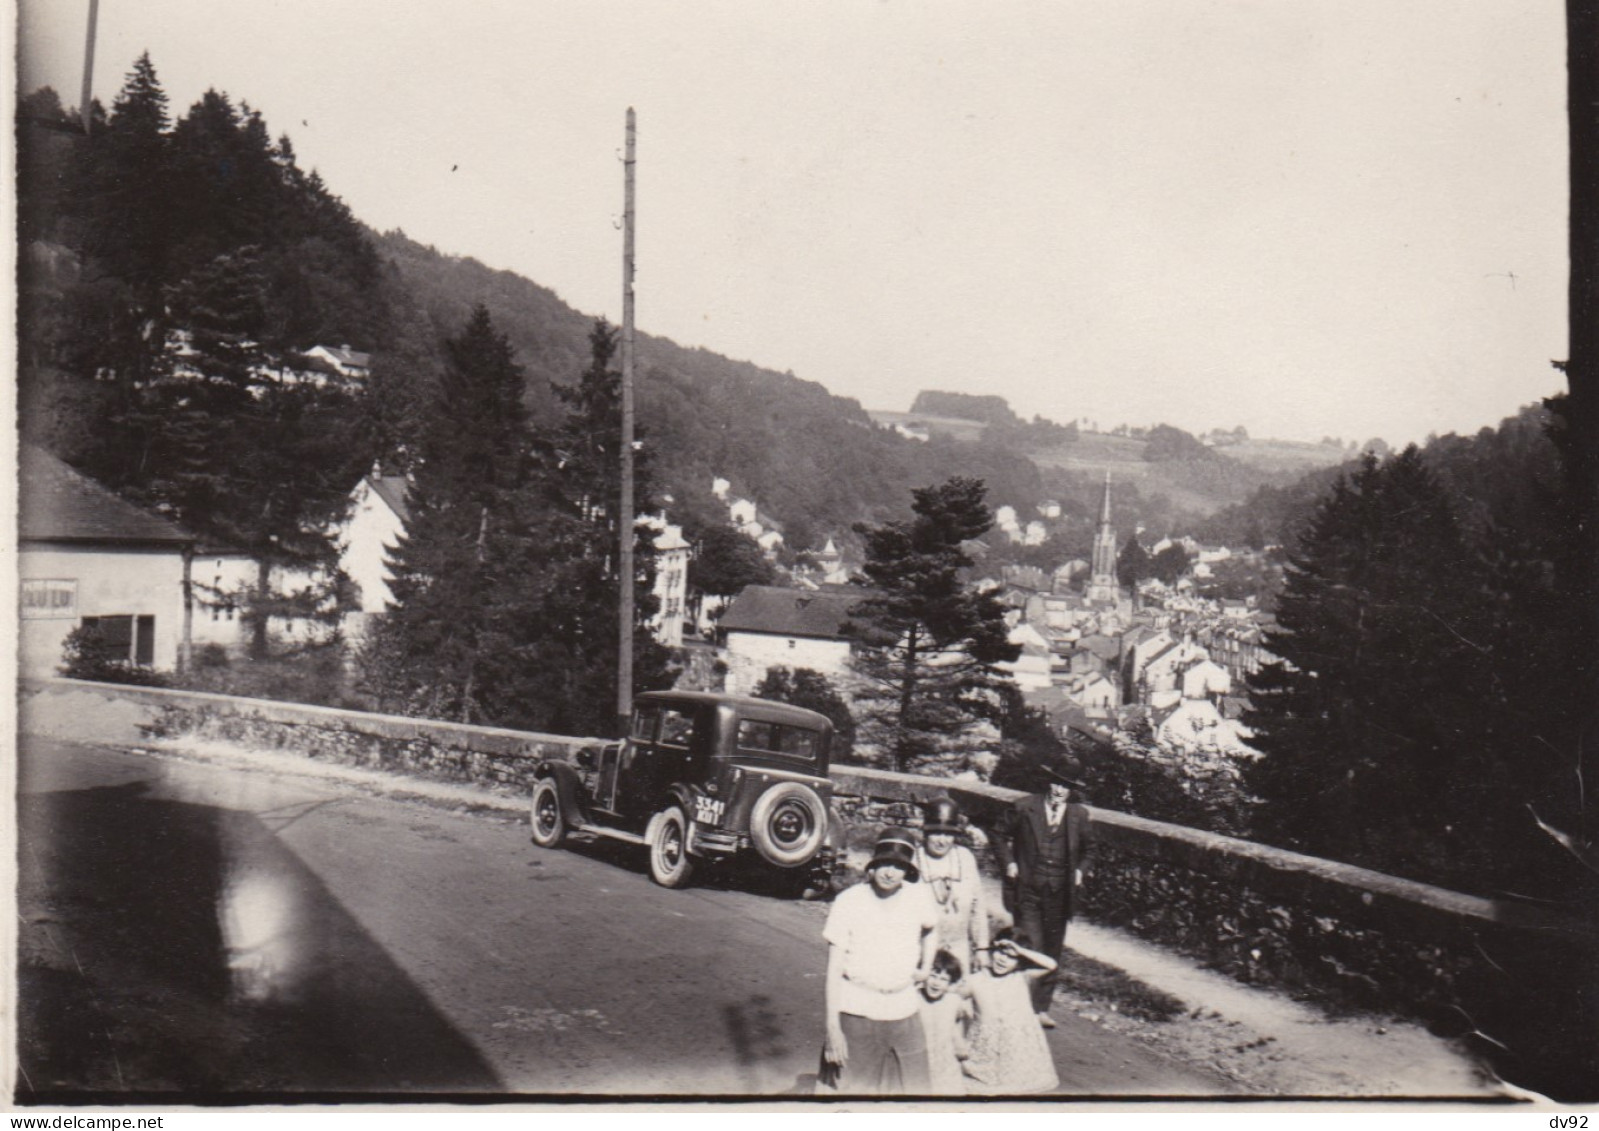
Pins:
x: 1259, y: 913
x: 451, y: 752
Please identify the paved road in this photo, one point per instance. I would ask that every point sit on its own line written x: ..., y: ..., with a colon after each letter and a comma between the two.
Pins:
x: 189, y: 928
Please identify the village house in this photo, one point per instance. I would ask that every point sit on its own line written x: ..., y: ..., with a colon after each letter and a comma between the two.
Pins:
x: 1033, y: 667
x: 87, y: 557
x: 1066, y: 573
x: 1161, y: 674
x: 377, y: 517
x: 830, y: 564
x: 342, y: 360
x: 672, y: 553
x: 766, y: 627
x: 376, y: 520
x: 1094, y: 693
x: 1198, y: 727
x: 220, y: 577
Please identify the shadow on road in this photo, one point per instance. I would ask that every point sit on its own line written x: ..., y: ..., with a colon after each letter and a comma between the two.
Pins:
x: 180, y: 950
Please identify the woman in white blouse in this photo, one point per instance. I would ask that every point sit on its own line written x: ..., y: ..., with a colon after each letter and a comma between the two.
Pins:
x: 949, y: 871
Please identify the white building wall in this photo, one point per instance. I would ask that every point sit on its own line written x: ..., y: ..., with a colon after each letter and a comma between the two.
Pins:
x: 214, y: 621
x: 750, y: 654
x: 103, y: 582
x: 370, y: 531
x: 671, y: 593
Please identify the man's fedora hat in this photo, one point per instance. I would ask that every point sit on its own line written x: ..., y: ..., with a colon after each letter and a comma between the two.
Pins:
x: 941, y: 815
x: 1066, y: 771
x: 897, y: 847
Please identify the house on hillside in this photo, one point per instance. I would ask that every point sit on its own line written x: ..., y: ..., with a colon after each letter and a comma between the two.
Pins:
x: 85, y: 556
x: 831, y: 565
x: 672, y: 553
x: 766, y: 627
x: 344, y: 361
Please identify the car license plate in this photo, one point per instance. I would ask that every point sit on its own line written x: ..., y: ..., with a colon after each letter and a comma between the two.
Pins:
x: 708, y: 810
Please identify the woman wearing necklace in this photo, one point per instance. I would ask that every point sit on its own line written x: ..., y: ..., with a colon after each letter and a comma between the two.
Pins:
x: 949, y: 870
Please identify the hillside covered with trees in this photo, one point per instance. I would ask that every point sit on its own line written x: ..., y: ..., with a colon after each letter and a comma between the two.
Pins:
x: 114, y: 225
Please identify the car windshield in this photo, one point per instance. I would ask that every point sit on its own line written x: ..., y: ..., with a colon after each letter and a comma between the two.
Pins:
x: 776, y: 738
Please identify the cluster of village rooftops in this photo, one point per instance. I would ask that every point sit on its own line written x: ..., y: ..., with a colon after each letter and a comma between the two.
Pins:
x: 1095, y: 655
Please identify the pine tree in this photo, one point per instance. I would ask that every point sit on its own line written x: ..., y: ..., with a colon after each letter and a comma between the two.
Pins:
x: 577, y: 647
x: 1382, y: 740
x: 128, y: 201
x: 929, y: 644
x: 241, y: 452
x: 453, y: 625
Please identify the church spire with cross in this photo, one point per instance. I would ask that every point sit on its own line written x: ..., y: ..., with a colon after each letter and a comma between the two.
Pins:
x: 1102, y: 584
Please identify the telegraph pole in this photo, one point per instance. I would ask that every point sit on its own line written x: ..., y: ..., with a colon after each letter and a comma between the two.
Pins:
x: 88, y: 66
x: 624, y: 666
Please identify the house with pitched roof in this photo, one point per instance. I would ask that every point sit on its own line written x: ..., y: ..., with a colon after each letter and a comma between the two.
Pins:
x: 1033, y: 667
x: 377, y: 517
x: 766, y: 627
x: 86, y: 556
x: 342, y: 360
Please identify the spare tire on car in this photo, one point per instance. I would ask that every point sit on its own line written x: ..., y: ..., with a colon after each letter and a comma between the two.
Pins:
x: 788, y: 824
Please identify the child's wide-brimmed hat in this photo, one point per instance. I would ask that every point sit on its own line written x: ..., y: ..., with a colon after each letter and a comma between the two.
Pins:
x: 897, y: 847
x: 941, y: 815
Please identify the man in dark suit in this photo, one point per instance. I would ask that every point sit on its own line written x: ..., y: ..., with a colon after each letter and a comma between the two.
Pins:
x: 1042, y: 844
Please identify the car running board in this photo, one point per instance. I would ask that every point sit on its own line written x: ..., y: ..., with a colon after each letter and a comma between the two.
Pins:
x: 614, y: 834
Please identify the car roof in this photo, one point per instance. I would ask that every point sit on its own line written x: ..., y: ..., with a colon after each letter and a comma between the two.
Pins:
x: 763, y: 710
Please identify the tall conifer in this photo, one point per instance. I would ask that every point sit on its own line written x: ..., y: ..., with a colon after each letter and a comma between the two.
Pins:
x: 467, y: 537
x: 1382, y: 730
x: 929, y: 644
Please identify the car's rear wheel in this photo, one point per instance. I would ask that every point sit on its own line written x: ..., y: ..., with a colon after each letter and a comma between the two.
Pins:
x: 788, y: 824
x: 549, y: 823
x: 670, y: 864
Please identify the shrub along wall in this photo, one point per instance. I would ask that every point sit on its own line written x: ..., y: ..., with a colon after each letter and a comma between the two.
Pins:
x: 1261, y: 914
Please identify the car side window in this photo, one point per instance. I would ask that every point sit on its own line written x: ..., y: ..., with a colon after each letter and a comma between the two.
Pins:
x: 644, y: 723
x: 677, y: 729
x: 753, y: 735
x: 796, y: 741
x: 775, y: 738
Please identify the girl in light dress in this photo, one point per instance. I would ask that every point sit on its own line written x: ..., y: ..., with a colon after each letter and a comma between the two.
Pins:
x: 945, y: 1013
x: 1009, y: 1055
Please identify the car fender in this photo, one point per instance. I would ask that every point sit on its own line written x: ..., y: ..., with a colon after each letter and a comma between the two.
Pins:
x: 574, y: 800
x: 681, y: 795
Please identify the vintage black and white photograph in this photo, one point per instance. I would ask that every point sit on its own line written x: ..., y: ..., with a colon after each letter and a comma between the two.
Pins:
x: 1022, y: 552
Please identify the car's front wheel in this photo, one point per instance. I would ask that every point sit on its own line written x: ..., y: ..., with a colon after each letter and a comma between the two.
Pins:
x: 670, y: 864
x: 549, y: 823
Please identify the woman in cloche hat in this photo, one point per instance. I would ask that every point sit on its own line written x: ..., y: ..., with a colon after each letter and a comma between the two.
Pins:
x: 949, y: 870
x: 881, y: 944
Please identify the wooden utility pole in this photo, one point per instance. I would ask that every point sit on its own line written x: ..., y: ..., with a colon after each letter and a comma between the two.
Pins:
x: 88, y: 67
x: 624, y: 521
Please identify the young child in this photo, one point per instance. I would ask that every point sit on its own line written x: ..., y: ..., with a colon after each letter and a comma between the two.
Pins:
x: 945, y: 1013
x: 1009, y: 1054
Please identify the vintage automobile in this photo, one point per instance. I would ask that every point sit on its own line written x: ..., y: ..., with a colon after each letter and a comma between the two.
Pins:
x: 702, y: 778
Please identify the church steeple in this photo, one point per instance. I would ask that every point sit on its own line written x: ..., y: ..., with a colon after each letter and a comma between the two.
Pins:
x: 1102, y: 584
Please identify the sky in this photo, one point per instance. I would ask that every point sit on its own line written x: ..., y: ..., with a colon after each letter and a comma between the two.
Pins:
x: 1306, y: 217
